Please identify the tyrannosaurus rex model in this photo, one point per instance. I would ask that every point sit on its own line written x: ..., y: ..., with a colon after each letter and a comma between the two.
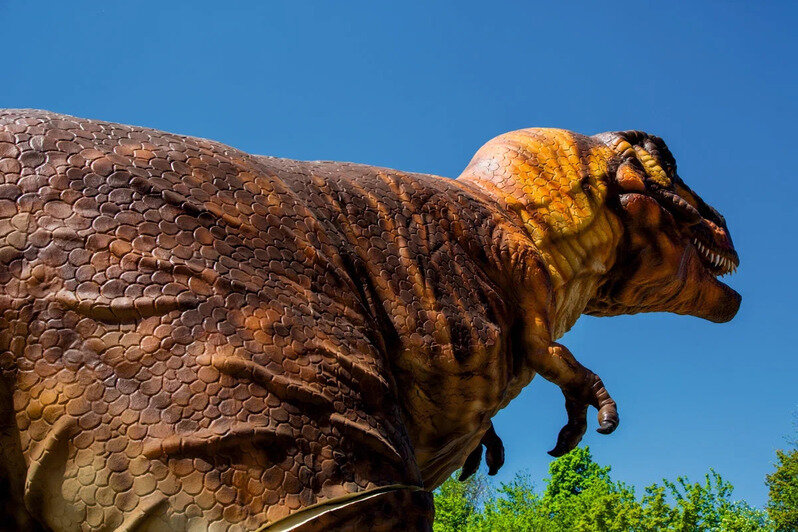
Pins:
x: 198, y: 338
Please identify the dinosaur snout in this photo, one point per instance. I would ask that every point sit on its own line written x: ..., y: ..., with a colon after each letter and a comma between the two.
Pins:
x: 725, y: 309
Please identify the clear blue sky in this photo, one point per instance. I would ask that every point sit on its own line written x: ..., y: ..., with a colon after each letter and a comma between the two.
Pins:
x: 421, y: 87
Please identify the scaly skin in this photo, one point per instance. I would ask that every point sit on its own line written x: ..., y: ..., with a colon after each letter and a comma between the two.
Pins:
x: 194, y: 337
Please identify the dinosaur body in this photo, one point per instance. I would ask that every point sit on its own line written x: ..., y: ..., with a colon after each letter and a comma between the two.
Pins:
x: 196, y: 337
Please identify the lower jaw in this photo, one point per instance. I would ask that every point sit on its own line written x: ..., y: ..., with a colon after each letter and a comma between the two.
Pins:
x: 713, y: 301
x: 729, y: 306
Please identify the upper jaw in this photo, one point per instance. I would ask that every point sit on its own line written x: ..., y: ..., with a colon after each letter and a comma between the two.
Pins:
x: 703, y: 227
x: 718, y: 262
x: 714, y: 247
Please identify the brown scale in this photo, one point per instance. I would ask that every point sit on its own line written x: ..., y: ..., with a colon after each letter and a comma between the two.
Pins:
x: 197, y: 338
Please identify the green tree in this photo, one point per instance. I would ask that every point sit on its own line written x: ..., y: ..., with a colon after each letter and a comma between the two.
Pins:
x: 656, y: 513
x: 709, y: 507
x: 573, y: 473
x: 515, y: 506
x: 456, y: 502
x: 783, y: 490
x: 580, y: 495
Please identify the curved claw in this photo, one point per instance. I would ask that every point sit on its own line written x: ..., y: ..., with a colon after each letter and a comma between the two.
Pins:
x: 567, y: 440
x: 608, y: 418
x: 494, y: 450
x: 494, y: 455
x: 471, y: 464
x: 571, y: 434
x: 607, y: 410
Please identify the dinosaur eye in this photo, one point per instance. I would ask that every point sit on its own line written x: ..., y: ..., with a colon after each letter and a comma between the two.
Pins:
x: 686, y: 194
x: 677, y: 206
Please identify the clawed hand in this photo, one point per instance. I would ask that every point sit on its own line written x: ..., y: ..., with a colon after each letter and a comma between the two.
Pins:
x: 494, y: 455
x: 577, y: 400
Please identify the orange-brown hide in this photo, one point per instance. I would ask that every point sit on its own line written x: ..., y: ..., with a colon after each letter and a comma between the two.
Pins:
x: 193, y: 336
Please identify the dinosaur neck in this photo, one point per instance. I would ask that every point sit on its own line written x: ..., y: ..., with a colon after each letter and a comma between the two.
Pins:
x: 577, y: 264
x: 576, y: 251
x: 554, y: 184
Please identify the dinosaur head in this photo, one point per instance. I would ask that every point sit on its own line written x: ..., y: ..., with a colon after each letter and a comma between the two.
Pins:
x: 675, y: 246
x: 672, y: 245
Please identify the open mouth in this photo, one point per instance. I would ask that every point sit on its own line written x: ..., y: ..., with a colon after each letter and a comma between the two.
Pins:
x: 718, y: 262
x: 705, y: 230
x: 713, y: 300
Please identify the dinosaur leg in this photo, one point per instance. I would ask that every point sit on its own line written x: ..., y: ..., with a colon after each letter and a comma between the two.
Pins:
x: 494, y: 455
x: 582, y: 388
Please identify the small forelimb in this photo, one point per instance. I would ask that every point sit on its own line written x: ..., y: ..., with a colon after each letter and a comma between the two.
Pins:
x: 581, y: 388
x: 494, y: 455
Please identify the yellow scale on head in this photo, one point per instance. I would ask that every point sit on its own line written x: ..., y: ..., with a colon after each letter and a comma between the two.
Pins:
x: 653, y: 169
x: 546, y: 166
x: 556, y: 183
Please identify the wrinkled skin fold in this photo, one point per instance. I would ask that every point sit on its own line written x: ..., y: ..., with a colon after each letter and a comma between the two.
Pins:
x: 194, y: 337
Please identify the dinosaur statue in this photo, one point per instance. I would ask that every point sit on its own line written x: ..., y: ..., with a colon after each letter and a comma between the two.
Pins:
x: 195, y: 338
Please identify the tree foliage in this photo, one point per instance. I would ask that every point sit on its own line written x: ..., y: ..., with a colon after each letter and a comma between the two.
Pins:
x: 580, y: 495
x: 783, y: 489
x: 456, y: 502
